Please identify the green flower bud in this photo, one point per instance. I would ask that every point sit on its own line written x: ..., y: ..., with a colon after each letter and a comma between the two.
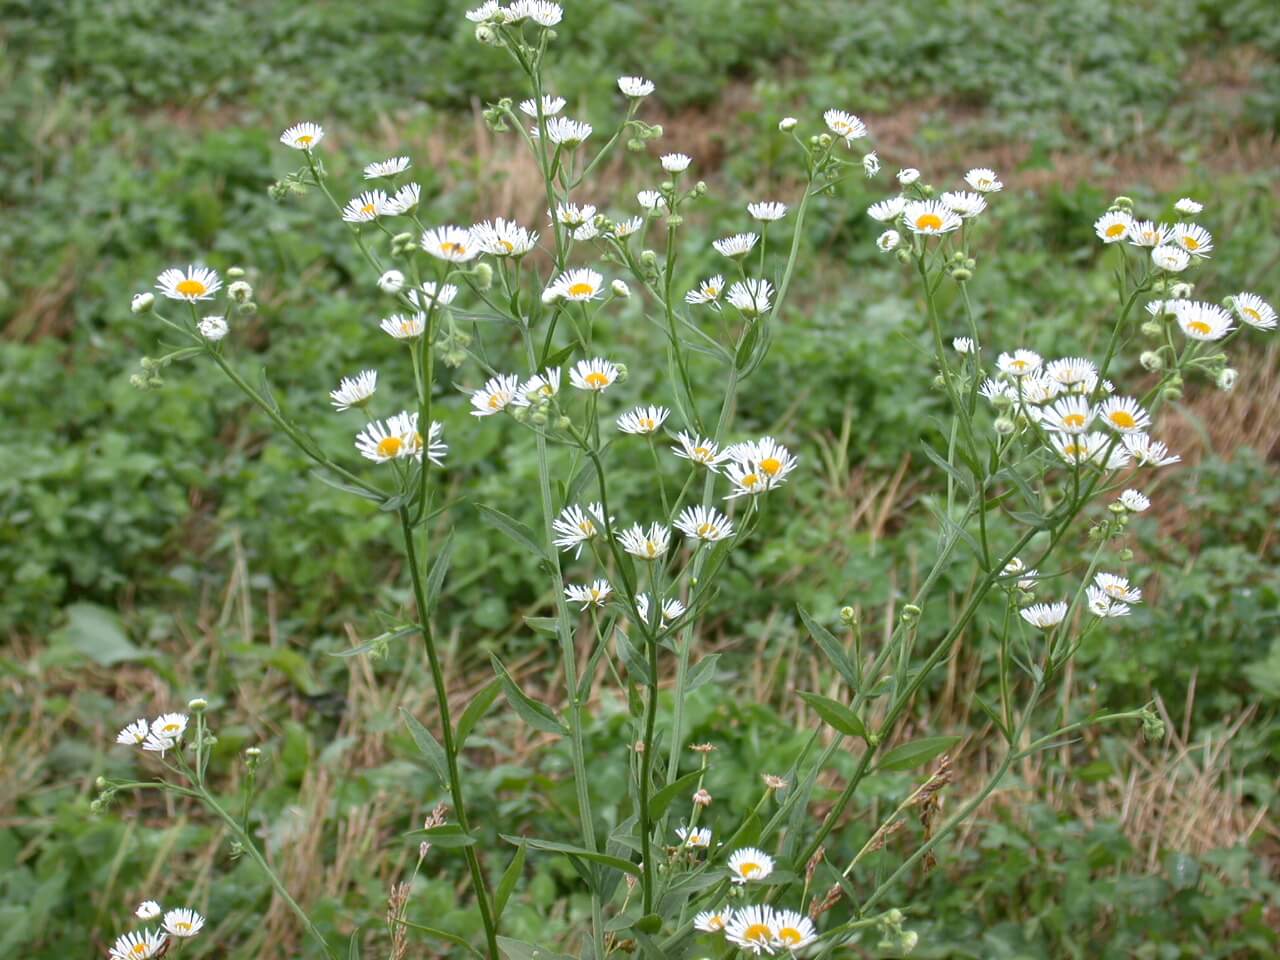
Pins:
x: 960, y: 275
x: 848, y: 614
x: 1150, y: 360
x: 198, y: 705
x: 1171, y: 394
x: 142, y: 302
x: 483, y: 274
x: 1004, y: 426
x: 247, y: 309
x: 1227, y: 377
x: 622, y: 372
x: 240, y: 291
x: 564, y: 423
x: 487, y: 35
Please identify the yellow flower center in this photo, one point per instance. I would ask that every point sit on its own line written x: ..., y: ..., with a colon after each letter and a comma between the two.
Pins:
x: 581, y: 289
x: 701, y: 451
x: 750, y: 480
x: 790, y: 935
x: 191, y: 288
x: 651, y: 548
x: 706, y: 528
x: 449, y: 246
x: 1073, y: 450
x: 716, y: 922
x: 368, y: 209
x: 183, y: 925
x: 1123, y: 419
x: 389, y: 446
x: 1018, y: 364
x: 929, y: 221
x: 495, y: 401
x: 507, y: 245
x: 984, y: 182
x: 711, y: 291
x: 758, y: 933
x: 1249, y: 311
x: 407, y: 327
x: 170, y: 727
x: 139, y: 949
x: 1116, y: 230
x: 1115, y: 590
x: 749, y: 869
x: 771, y: 466
x: 306, y: 139
x: 647, y: 424
x: 597, y: 381
x: 1191, y: 243
x: 1199, y: 326
x: 1073, y: 420
x: 588, y: 528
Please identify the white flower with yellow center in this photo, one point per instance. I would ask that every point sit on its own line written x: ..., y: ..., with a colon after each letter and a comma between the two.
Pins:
x: 1020, y: 363
x: 455, y: 244
x: 751, y: 297
x: 567, y: 133
x: 495, y: 395
x: 753, y: 929
x: 984, y: 180
x: 406, y: 424
x: 1169, y: 258
x: 695, y: 837
x: 171, y: 725
x: 386, y: 168
x: 1037, y: 389
x: 1113, y: 226
x: 1124, y: 415
x: 635, y: 86
x: 749, y: 863
x: 643, y: 420
x: 699, y: 450
x: 541, y: 386
x: 578, y: 285
x: 134, y: 734
x: 792, y: 930
x: 571, y: 214
x: 367, y: 207
x: 888, y: 241
x: 404, y: 327
x: 1102, y: 605
x: 192, y: 284
x: 593, y: 594
x: 625, y: 228
x: 1202, y: 321
x: 303, y: 136
x: 738, y: 245
x: 647, y: 544
x: 845, y: 125
x: 908, y: 176
x: 405, y: 199
x: 1134, y: 501
x: 1147, y: 452
x: 379, y: 442
x: 433, y: 295
x: 550, y: 106
x: 503, y: 238
x: 139, y: 945
x: 1078, y: 448
x: 712, y: 921
x: 675, y: 162
x: 767, y: 210
x: 930, y: 218
x: 1045, y: 615
x: 1117, y: 588
x: 966, y: 203
x: 575, y: 526
x: 595, y: 374
x: 354, y: 391
x: 888, y: 209
x: 1071, y: 370
x: 158, y: 744
x: 1188, y: 206
x: 213, y: 329
x: 1071, y: 414
x: 1148, y: 233
x: 148, y: 910
x: 1194, y: 239
x: 704, y: 523
x: 183, y: 923
x: 651, y: 200
x: 706, y: 292
x: 1254, y: 311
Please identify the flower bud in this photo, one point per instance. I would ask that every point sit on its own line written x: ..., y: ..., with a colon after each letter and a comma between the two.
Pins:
x: 939, y: 382
x: 904, y: 256
x: 702, y: 798
x: 1004, y: 426
x: 910, y: 613
x: 620, y: 288
x: 1150, y: 360
x: 391, y: 282
x: 848, y: 615
x: 100, y: 783
x: 198, y: 705
x: 1151, y: 328
x: 1123, y: 203
x: 487, y: 35
x: 635, y: 145
x: 240, y: 291
x: 622, y: 372
x: 538, y: 418
x: 700, y: 188
x: 787, y: 124
x: 235, y: 273
x: 1227, y: 378
x: 483, y: 274
x: 1171, y: 394
x: 1126, y: 555
x: 247, y: 309
x: 212, y: 329
x: 142, y: 302
x: 824, y: 140
x: 564, y: 423
x: 960, y: 275
x: 649, y: 259
x: 1181, y: 290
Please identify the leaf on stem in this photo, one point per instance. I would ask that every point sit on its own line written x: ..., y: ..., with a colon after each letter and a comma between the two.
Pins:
x: 915, y: 753
x: 537, y: 715
x: 836, y: 715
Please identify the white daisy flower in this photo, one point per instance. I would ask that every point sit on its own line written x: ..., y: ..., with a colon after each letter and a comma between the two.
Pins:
x: 431, y: 294
x: 455, y: 244
x: 1147, y: 452
x: 751, y: 297
x: 704, y: 523
x: 625, y: 228
x: 1101, y: 605
x: 888, y: 241
x: 391, y: 282
x: 504, y: 238
x: 695, y: 837
x: 404, y: 327
x: 1169, y: 258
x: 870, y: 164
x: 594, y: 374
x: 712, y: 921
x: 787, y: 124
x: 1254, y: 311
x: 367, y: 207
x: 1071, y: 414
x: 213, y: 329
x: 1148, y: 233
x: 593, y: 594
x: 676, y: 162
x: 844, y: 125
x: 749, y: 863
x: 646, y: 544
x: 495, y: 395
x: 738, y: 245
x: 1020, y: 363
x: 139, y: 945
x: 575, y: 526
x: 708, y: 292
x: 406, y: 424
x: 1016, y: 568
x: 651, y: 200
x: 1037, y: 389
x: 995, y: 389
x: 984, y: 180
x: 489, y: 10
x: 550, y: 106
x: 753, y: 929
x: 588, y: 231
x: 170, y: 725
x: 1113, y: 226
x: 930, y: 218
x: 148, y: 910
x: 1202, y: 321
x: 699, y: 450
x: 134, y: 734
x: 1193, y: 238
x: 567, y: 133
x: 183, y: 923
x: 542, y: 12
x: 572, y: 214
x: 792, y: 930
x: 1124, y: 415
x: 541, y: 386
x: 1117, y: 587
x: 1044, y: 615
x: 303, y: 136
x: 643, y: 420
x: 386, y: 168
x: 908, y: 176
x: 380, y: 442
x: 354, y: 391
x: 964, y: 345
x: 157, y: 744
x: 672, y: 609
x: 887, y: 209
x: 192, y: 284
x: 1078, y: 448
x: 1071, y: 370
x: 1133, y: 501
x: 1188, y: 206
x: 405, y: 199
x: 964, y: 202
x: 579, y: 284
x: 635, y: 86
x: 767, y: 210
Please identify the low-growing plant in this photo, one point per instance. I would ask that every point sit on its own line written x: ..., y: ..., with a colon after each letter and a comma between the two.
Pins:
x: 1038, y: 459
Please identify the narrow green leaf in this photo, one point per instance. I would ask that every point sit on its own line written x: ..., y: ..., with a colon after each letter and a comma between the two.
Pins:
x: 702, y: 672
x: 537, y: 715
x: 440, y: 935
x: 548, y: 626
x: 476, y: 709
x: 510, y: 877
x: 747, y: 345
x: 914, y: 753
x: 512, y: 527
x: 438, y: 571
x: 319, y: 474
x: 353, y: 946
x: 832, y: 647
x: 836, y: 714
x: 447, y: 836
x: 617, y: 863
x: 661, y: 800
x: 378, y: 641
x: 429, y: 746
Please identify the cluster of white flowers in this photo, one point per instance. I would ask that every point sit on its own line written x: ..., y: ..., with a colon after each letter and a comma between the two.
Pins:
x: 157, y: 736
x: 177, y: 925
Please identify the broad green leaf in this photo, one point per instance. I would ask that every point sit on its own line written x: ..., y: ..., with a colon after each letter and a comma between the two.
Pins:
x: 429, y: 746
x: 476, y: 709
x: 513, y: 528
x: 661, y: 800
x: 98, y: 633
x: 836, y: 714
x: 832, y: 647
x: 537, y: 715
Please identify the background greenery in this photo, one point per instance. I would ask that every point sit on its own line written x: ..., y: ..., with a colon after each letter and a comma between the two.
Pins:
x: 155, y: 546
